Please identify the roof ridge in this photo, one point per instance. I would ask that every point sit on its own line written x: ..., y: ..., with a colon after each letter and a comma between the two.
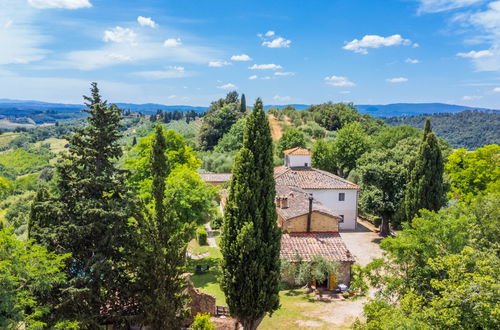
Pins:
x: 334, y: 176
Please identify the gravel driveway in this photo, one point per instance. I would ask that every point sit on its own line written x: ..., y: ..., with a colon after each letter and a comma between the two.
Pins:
x: 363, y: 244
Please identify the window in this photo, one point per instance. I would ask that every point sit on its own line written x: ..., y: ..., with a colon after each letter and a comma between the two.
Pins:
x: 306, y: 164
x: 341, y: 218
x: 341, y: 197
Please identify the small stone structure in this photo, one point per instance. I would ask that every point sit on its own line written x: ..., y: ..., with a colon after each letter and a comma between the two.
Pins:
x: 201, y: 302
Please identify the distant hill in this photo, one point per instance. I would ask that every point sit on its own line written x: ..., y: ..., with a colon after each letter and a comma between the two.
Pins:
x: 412, y: 109
x: 466, y: 129
x: 22, y: 108
x: 399, y: 109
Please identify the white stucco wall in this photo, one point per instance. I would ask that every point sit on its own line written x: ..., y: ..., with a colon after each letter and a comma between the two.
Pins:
x: 297, y: 160
x: 348, y: 207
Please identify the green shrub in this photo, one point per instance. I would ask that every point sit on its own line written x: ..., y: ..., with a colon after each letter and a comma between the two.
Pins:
x: 202, y: 235
x: 202, y: 322
x: 217, y: 221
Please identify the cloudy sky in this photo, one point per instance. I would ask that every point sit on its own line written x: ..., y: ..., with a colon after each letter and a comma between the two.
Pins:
x: 290, y: 51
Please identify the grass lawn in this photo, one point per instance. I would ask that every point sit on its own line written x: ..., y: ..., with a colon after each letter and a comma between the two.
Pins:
x: 295, y: 312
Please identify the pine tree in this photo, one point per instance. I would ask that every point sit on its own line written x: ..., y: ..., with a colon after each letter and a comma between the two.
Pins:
x: 89, y: 219
x: 251, y: 238
x: 426, y: 189
x: 162, y: 253
x: 243, y: 104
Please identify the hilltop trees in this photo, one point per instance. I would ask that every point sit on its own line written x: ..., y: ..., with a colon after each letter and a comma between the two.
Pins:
x: 425, y: 189
x: 219, y: 118
x: 243, y: 104
x: 291, y: 138
x: 89, y: 219
x: 251, y: 238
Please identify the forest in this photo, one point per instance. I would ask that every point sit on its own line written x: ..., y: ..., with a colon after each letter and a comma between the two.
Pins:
x: 99, y: 216
x: 466, y: 129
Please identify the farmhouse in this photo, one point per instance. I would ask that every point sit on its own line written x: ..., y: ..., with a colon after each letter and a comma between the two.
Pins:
x: 312, y: 206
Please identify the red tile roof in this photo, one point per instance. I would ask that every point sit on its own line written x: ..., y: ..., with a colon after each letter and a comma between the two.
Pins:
x: 310, y: 178
x: 327, y: 245
x: 297, y: 151
x: 298, y: 203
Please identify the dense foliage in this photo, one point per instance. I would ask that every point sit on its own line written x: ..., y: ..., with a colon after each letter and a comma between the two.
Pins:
x: 27, y: 270
x: 218, y: 120
x: 250, y: 241
x: 161, y: 255
x: 425, y: 188
x: 467, y: 129
x: 88, y: 217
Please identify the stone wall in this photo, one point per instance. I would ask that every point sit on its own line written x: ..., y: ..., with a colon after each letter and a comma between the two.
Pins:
x: 201, y: 302
x: 319, y: 223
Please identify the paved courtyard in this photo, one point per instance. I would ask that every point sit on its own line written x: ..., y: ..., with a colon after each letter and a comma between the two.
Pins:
x: 363, y: 243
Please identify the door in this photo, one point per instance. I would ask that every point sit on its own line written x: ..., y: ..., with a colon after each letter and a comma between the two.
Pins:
x: 332, y: 282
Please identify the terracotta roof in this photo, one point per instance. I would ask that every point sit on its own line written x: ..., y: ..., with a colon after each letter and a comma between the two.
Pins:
x: 298, y: 203
x: 310, y: 178
x: 306, y: 245
x: 297, y: 151
x: 215, y: 177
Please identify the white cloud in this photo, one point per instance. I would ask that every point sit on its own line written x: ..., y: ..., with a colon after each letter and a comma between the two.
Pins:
x: 120, y: 57
x: 284, y: 73
x: 253, y: 77
x: 170, y: 72
x: 338, y: 81
x: 496, y: 90
x: 281, y: 99
x: 172, y: 42
x: 476, y: 54
x: 120, y: 35
x: 471, y: 97
x: 265, y: 67
x: 266, y: 78
x: 277, y: 43
x: 375, y: 41
x: 345, y: 92
x: 218, y: 64
x: 64, y: 4
x: 21, y: 42
x: 397, y: 80
x: 146, y: 21
x: 241, y: 58
x: 173, y: 96
x: 435, y: 6
x: 412, y: 61
x: 269, y: 39
x: 228, y: 86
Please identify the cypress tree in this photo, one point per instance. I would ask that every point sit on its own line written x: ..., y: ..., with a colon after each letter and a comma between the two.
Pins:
x: 251, y: 238
x: 243, y: 104
x: 88, y: 217
x: 161, y: 256
x: 426, y: 189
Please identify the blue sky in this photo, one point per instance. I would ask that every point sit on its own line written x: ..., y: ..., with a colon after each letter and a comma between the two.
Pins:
x: 192, y: 52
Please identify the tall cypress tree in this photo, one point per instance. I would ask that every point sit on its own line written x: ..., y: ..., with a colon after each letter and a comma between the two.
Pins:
x: 243, y: 104
x: 251, y: 237
x: 88, y: 217
x: 161, y: 255
x: 426, y: 189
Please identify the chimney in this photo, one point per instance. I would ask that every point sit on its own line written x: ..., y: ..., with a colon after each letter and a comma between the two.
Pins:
x: 278, y: 201
x: 309, y: 215
x: 284, y: 202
